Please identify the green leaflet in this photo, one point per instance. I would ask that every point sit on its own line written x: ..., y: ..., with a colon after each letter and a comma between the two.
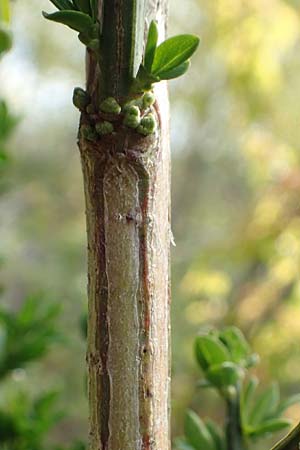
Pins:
x: 225, y: 374
x: 216, y: 434
x: 176, y: 72
x: 63, y: 5
x: 196, y: 432
x: 210, y: 351
x: 265, y: 406
x: 235, y: 341
x: 151, y: 45
x: 83, y: 6
x: 285, y: 404
x: 269, y: 426
x: 247, y: 398
x: 181, y: 444
x: 74, y: 19
x: 173, y: 52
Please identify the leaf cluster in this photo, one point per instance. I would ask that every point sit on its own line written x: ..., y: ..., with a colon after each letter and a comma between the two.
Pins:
x: 26, y: 335
x: 79, y: 15
x: 225, y: 358
x: 262, y: 412
x: 23, y: 423
x: 165, y: 61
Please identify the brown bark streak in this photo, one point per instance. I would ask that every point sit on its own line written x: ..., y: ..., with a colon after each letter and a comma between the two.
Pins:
x: 126, y: 179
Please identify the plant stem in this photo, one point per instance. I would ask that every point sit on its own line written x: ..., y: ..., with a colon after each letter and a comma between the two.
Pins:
x: 291, y: 441
x: 234, y: 433
x: 126, y: 181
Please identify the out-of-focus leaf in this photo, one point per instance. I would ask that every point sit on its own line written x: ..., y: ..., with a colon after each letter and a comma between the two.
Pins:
x: 8, y: 427
x: 209, y: 351
x: 269, y: 426
x: 5, y: 39
x: 181, y: 443
x: 196, y: 432
x: 285, y: 404
x: 265, y: 406
x: 29, y: 333
x: 225, y: 374
x: 217, y: 435
x: 247, y: 397
x: 236, y: 343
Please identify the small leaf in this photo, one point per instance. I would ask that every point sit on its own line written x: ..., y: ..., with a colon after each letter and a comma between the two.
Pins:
x: 269, y: 426
x: 180, y: 443
x: 236, y: 343
x: 289, y: 442
x: 285, y: 404
x: 176, y: 72
x: 216, y: 434
x: 74, y: 19
x: 83, y: 5
x: 151, y: 45
x: 210, y: 351
x: 247, y: 397
x: 225, y: 374
x: 265, y: 406
x: 196, y: 433
x: 63, y: 5
x: 94, y: 8
x: 173, y: 52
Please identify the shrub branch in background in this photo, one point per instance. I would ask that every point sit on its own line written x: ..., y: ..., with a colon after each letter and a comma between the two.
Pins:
x: 225, y: 358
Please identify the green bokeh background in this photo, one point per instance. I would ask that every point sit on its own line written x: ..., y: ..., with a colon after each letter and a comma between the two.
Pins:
x: 235, y: 133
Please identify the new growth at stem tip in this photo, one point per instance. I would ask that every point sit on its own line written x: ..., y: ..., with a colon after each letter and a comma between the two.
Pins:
x: 165, y: 61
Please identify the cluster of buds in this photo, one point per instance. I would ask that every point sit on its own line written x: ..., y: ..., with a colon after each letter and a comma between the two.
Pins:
x: 135, y: 114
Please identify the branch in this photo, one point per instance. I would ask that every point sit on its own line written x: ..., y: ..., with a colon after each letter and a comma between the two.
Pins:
x: 289, y: 442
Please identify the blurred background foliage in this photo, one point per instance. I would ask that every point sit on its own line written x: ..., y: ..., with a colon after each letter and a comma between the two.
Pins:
x: 236, y: 187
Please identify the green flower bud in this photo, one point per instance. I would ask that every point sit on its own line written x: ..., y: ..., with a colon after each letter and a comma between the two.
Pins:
x: 147, y: 125
x: 81, y: 98
x: 135, y: 102
x: 88, y: 133
x: 110, y: 105
x: 148, y: 99
x: 132, y: 117
x: 103, y: 128
x: 133, y: 111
